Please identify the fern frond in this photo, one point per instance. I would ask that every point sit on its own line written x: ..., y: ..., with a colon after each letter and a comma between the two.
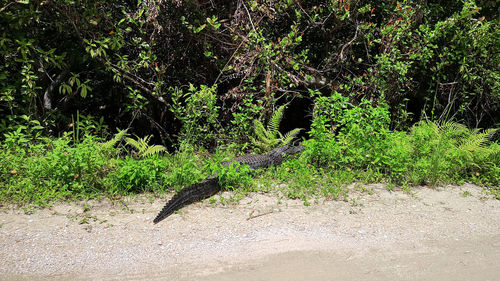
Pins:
x: 262, y: 146
x: 274, y: 122
x: 450, y: 127
x: 274, y: 143
x: 474, y: 141
x: 151, y: 150
x: 259, y: 130
x: 267, y: 139
x: 112, y: 142
x: 454, y: 131
x: 434, y: 127
x: 288, y: 137
x: 143, y: 148
x: 136, y: 144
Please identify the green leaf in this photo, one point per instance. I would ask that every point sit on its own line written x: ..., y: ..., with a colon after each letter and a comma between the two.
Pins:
x: 83, y: 92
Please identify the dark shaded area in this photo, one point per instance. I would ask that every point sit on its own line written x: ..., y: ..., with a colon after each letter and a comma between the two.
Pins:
x: 298, y: 114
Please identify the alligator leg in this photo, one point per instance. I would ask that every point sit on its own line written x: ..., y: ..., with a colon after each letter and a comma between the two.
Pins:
x: 190, y: 194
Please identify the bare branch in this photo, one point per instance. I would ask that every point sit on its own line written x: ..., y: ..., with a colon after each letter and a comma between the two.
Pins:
x: 341, y: 56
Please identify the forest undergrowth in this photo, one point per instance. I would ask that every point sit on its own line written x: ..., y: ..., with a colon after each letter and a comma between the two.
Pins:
x: 80, y: 164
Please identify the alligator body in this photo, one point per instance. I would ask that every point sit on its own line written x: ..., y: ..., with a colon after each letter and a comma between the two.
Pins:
x: 210, y: 185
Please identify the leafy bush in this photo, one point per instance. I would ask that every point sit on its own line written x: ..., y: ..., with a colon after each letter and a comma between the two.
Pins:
x: 134, y: 176
x: 235, y: 176
x: 42, y: 172
x: 345, y: 135
x: 185, y: 168
x: 54, y: 170
x: 428, y: 154
x: 198, y: 112
x: 446, y: 61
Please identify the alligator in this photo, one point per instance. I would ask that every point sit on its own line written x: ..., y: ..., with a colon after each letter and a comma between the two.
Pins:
x: 210, y: 185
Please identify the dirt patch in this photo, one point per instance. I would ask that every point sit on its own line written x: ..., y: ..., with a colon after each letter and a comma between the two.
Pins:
x: 449, y: 233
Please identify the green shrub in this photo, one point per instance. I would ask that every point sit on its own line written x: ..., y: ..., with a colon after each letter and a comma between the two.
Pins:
x: 198, y: 113
x: 347, y: 135
x: 185, y: 168
x: 54, y: 170
x: 137, y: 175
x: 235, y: 176
x: 322, y: 148
x: 397, y: 159
x: 356, y: 139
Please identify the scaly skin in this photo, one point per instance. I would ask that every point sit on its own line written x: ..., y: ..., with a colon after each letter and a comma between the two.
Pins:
x: 210, y: 185
x: 188, y: 195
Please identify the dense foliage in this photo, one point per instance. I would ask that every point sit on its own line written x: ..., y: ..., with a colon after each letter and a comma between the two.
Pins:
x: 205, y: 70
x: 82, y: 165
x: 379, y: 87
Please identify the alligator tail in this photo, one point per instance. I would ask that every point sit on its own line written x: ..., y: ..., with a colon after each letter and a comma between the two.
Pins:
x: 190, y: 194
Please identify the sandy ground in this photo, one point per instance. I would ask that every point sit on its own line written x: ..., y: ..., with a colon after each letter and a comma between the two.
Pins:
x: 428, y: 234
